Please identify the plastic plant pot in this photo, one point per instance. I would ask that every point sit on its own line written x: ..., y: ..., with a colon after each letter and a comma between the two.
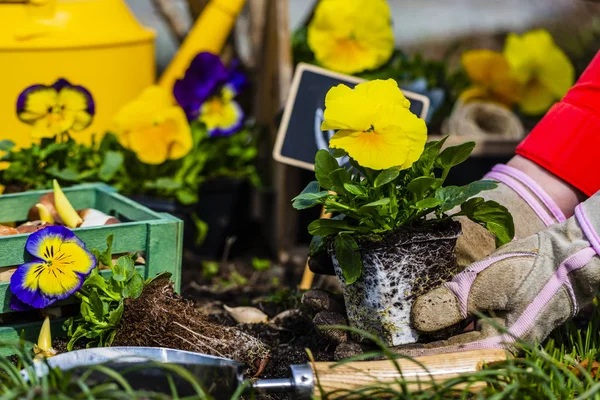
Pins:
x: 397, y: 268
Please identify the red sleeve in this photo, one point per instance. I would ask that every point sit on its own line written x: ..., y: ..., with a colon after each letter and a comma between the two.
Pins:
x: 566, y: 141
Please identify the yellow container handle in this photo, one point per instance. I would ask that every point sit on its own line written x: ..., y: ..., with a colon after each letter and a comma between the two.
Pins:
x: 208, y: 33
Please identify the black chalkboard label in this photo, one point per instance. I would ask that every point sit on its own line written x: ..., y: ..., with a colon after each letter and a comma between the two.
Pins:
x: 300, y: 136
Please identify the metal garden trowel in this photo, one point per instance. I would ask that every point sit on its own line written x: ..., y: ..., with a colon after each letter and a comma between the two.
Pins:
x: 220, y: 377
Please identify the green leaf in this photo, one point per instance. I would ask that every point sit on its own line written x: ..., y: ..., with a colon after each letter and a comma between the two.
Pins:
x: 348, y: 256
x: 95, y: 281
x: 420, y: 185
x: 452, y: 196
x: 79, y: 333
x: 51, y: 149
x: 386, y: 176
x: 317, y: 245
x: 429, y: 202
x: 96, y: 306
x: 114, y: 317
x: 6, y: 145
x: 326, y: 227
x: 209, y: 269
x: 106, y: 257
x: 493, y: 216
x: 309, y: 196
x: 134, y: 286
x: 113, y: 160
x: 339, y: 178
x: 123, y: 269
x: 166, y: 275
x: 427, y: 159
x: 260, y: 264
x: 324, y: 165
x: 452, y: 156
x: 338, y: 153
x: 356, y: 190
x: 66, y: 174
x: 167, y: 184
x: 186, y: 196
x: 374, y: 204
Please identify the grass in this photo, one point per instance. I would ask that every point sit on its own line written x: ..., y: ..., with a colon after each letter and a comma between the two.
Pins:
x: 565, y: 367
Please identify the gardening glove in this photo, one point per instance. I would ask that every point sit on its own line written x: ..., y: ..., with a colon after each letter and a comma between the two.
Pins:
x: 531, y: 208
x: 529, y: 287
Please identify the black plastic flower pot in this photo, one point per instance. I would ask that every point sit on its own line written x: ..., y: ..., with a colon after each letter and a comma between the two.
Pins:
x: 397, y: 268
x: 224, y: 205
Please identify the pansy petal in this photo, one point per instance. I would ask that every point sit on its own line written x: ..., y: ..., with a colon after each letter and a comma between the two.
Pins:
x: 482, y: 65
x: 18, y: 305
x: 60, y: 84
x: 338, y: 101
x: 222, y: 118
x: 43, y: 243
x: 518, y: 56
x: 76, y: 258
x: 556, y: 72
x: 205, y: 73
x: 351, y: 36
x: 235, y: 83
x: 371, y: 149
x: 24, y: 284
x: 149, y: 143
x: 380, y: 89
x: 35, y: 102
x: 82, y: 119
x: 475, y: 93
x: 56, y: 282
x: 178, y: 135
x: 22, y: 100
x: 536, y: 99
x: 141, y: 111
x: 74, y: 99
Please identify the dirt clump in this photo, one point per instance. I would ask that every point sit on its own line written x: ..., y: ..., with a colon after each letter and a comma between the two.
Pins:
x: 162, y: 318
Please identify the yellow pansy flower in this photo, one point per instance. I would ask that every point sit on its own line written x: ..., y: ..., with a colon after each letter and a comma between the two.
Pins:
x: 374, y: 123
x: 154, y: 128
x: 490, y: 73
x: 541, y: 66
x: 351, y: 36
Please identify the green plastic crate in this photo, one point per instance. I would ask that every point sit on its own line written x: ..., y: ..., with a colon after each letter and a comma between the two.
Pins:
x: 158, y: 235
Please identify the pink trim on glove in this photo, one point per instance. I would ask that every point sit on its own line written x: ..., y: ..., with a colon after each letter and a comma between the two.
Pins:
x: 527, y: 319
x: 462, y: 282
x: 531, y: 200
x: 525, y: 180
x: 587, y: 228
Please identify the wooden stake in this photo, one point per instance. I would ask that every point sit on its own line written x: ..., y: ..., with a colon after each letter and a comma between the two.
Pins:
x: 308, y: 276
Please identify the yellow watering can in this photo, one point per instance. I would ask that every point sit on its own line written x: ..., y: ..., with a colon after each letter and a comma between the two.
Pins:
x: 97, y: 44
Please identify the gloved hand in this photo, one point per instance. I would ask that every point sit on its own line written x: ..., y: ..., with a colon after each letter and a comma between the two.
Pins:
x: 530, y: 286
x: 532, y: 210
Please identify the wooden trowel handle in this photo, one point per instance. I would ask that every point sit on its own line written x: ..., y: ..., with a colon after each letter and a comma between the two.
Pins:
x: 365, y: 373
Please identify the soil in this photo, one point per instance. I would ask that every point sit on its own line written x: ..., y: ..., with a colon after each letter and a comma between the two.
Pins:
x: 162, y: 318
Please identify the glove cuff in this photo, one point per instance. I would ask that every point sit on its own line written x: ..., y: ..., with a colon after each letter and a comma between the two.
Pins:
x: 590, y: 226
x: 527, y: 189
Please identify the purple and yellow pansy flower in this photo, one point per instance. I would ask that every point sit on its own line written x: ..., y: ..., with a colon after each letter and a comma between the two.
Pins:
x: 59, y: 266
x: 55, y: 109
x: 207, y: 93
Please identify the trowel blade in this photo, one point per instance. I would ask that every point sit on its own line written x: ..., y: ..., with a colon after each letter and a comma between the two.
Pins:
x: 218, y: 377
